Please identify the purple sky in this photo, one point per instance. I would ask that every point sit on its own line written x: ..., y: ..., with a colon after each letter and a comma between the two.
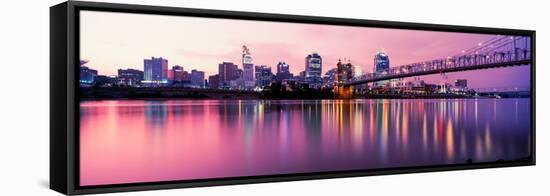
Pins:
x: 120, y: 40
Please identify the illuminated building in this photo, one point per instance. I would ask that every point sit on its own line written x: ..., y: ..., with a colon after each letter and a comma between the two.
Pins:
x: 283, y: 71
x: 130, y: 77
x: 357, y: 72
x: 155, y: 71
x: 87, y: 76
x: 381, y: 62
x: 178, y: 74
x: 263, y: 76
x: 381, y: 66
x: 314, y: 67
x: 214, y: 81
x: 197, y: 78
x: 227, y: 71
x: 461, y: 83
x: 248, y: 66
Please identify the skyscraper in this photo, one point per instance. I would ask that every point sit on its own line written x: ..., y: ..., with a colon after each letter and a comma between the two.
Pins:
x: 314, y: 67
x: 227, y: 72
x: 302, y: 76
x: 357, y: 72
x: 214, y: 81
x: 283, y: 71
x: 263, y: 75
x: 197, y: 78
x: 258, y: 73
x: 381, y: 66
x: 282, y: 67
x: 381, y: 62
x: 248, y: 65
x: 248, y: 69
x: 178, y: 74
x: 155, y: 70
x: 331, y: 75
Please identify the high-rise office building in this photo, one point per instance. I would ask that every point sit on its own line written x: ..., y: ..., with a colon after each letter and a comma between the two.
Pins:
x: 283, y: 71
x: 248, y: 65
x: 283, y: 67
x: 197, y: 78
x: 155, y: 71
x: 214, y: 81
x: 357, y: 72
x: 178, y: 73
x: 258, y: 73
x: 227, y: 71
x: 302, y: 76
x: 381, y: 62
x: 314, y: 67
x: 248, y: 70
x: 381, y: 66
x: 263, y: 75
x: 331, y: 75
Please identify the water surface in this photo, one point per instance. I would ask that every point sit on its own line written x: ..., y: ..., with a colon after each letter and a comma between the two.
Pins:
x: 126, y: 141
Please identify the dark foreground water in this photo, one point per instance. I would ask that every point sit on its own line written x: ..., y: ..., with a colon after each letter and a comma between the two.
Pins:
x: 144, y: 141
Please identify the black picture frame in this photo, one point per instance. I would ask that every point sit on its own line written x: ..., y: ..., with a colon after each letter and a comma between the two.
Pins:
x: 64, y: 104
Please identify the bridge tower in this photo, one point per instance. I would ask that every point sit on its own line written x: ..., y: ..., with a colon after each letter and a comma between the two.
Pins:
x: 344, y: 74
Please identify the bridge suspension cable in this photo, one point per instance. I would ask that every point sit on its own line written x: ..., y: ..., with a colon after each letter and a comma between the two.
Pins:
x: 498, y: 51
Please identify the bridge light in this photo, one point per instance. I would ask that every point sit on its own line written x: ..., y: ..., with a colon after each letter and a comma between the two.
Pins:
x: 479, y: 44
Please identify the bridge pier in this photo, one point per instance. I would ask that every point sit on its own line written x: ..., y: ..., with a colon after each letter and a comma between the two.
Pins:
x: 343, y: 92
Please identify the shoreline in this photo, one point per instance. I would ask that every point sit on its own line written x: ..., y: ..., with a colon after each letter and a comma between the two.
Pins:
x: 227, y: 99
x: 221, y: 94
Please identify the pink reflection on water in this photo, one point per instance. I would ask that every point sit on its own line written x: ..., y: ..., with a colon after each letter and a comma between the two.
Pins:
x: 146, y: 141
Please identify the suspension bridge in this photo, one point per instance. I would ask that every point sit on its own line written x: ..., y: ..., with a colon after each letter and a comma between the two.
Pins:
x: 499, y: 51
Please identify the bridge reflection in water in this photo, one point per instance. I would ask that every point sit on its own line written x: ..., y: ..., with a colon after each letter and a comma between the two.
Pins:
x: 140, y: 141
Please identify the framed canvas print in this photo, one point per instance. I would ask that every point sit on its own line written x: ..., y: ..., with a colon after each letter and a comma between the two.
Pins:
x: 146, y: 97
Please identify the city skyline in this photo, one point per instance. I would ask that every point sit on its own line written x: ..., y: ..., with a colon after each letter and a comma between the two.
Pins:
x: 182, y: 40
x: 171, y: 98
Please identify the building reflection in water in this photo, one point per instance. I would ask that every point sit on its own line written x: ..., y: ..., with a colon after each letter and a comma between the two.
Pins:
x: 141, y: 141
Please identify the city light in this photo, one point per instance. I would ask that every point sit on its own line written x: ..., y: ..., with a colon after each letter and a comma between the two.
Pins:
x: 338, y: 78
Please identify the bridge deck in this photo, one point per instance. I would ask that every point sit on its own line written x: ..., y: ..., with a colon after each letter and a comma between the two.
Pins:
x: 436, y: 71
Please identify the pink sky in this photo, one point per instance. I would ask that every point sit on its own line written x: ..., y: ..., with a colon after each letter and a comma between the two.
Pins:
x: 111, y: 41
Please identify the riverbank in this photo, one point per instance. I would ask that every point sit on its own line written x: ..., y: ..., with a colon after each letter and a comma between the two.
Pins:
x: 122, y: 93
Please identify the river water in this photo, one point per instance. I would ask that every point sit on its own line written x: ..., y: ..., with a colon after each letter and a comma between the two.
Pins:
x: 128, y: 141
